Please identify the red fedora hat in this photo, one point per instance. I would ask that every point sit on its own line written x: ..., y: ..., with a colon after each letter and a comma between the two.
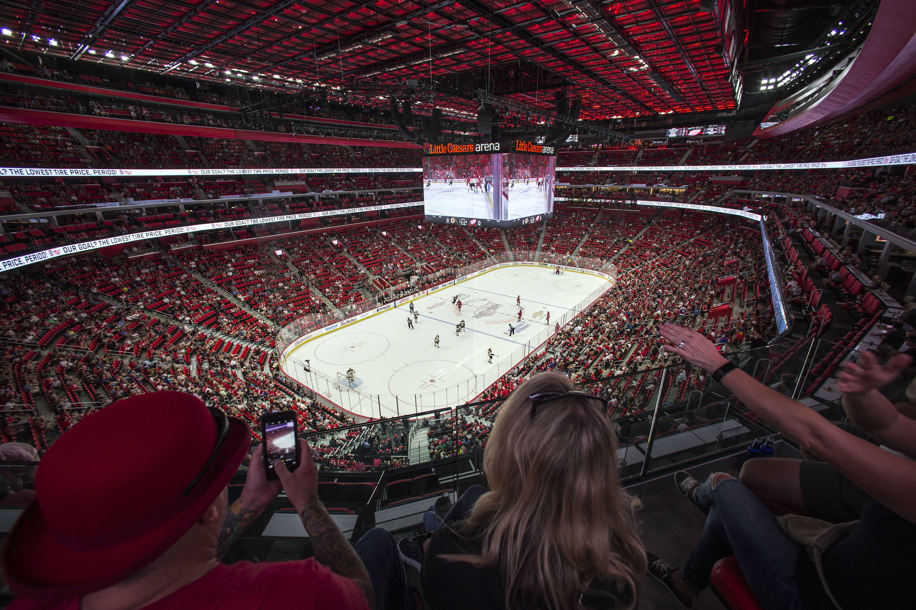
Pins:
x: 115, y: 492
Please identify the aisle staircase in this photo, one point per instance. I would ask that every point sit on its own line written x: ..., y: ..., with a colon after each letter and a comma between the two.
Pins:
x: 686, y: 154
x: 635, y: 237
x: 506, y: 245
x: 537, y: 251
x: 588, y: 232
x: 474, y: 239
x: 418, y: 449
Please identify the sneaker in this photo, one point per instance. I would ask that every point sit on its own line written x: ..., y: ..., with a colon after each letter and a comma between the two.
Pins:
x: 411, y: 551
x: 661, y: 571
x: 687, y: 485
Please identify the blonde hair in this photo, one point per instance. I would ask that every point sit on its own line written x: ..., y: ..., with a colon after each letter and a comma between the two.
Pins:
x: 555, y: 520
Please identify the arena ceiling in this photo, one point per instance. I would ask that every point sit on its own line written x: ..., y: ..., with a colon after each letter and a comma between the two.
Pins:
x: 623, y: 59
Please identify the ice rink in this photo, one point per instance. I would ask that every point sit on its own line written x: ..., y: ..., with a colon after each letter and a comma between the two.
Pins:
x: 400, y: 370
x: 441, y: 199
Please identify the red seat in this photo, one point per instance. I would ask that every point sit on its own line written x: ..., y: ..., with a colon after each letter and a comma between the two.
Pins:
x: 730, y: 586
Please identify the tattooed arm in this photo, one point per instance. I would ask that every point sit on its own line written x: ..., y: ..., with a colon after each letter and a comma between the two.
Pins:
x: 257, y: 494
x: 237, y: 521
x: 331, y: 548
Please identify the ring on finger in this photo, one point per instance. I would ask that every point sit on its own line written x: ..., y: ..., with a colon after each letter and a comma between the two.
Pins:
x: 680, y: 345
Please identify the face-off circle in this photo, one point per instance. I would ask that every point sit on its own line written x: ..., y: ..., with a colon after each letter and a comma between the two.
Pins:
x: 517, y: 275
x: 430, y: 376
x: 351, y: 348
x: 574, y: 285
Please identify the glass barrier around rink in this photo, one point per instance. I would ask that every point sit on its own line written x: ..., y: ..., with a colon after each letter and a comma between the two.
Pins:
x: 338, y: 390
x: 679, y: 404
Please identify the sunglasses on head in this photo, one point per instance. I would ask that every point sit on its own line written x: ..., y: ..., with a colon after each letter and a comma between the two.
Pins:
x: 543, y: 397
x: 222, y: 424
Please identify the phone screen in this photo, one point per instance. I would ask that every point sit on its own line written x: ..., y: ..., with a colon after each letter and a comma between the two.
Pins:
x: 280, y: 440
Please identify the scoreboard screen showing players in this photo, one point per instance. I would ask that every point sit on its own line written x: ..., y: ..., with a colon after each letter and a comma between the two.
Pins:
x: 480, y: 183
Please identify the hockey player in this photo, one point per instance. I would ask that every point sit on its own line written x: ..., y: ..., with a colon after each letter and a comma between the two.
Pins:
x: 518, y: 300
x: 462, y: 325
x: 416, y: 317
x: 548, y: 318
x: 519, y: 316
x: 457, y: 329
x: 489, y: 356
x: 459, y: 305
x: 511, y: 330
x: 409, y: 322
x: 436, y: 341
x: 454, y: 299
x: 558, y: 270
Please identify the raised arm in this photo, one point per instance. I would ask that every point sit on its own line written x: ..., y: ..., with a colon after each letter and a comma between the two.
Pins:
x: 889, y: 478
x: 331, y: 548
x: 257, y: 494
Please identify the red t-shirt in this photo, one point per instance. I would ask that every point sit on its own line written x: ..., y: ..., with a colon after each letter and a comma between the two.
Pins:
x: 300, y: 585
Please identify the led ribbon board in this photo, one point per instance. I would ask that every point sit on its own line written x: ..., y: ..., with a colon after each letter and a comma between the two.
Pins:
x: 43, y: 255
x: 904, y: 159
x: 684, y: 206
x: 701, y: 208
x: 82, y: 172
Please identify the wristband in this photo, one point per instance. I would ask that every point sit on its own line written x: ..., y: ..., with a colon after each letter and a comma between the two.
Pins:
x: 722, y: 371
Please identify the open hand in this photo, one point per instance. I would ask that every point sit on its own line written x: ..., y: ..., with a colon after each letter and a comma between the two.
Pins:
x: 692, y: 347
x: 867, y: 374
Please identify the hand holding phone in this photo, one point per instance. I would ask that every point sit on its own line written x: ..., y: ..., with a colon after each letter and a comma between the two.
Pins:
x: 301, y: 486
x: 258, y: 491
x: 279, y: 432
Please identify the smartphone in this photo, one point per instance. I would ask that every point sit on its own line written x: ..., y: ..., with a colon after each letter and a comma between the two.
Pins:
x: 281, y: 441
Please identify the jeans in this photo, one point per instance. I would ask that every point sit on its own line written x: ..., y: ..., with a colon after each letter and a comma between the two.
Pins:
x: 740, y: 524
x: 379, y: 552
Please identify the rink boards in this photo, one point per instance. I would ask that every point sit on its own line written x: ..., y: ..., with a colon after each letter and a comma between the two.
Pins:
x: 404, y: 373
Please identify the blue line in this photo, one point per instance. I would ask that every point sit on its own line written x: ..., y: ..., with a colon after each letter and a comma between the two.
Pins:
x: 476, y: 331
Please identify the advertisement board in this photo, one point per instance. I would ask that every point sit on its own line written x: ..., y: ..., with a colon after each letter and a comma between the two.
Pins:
x: 903, y: 159
x: 43, y: 255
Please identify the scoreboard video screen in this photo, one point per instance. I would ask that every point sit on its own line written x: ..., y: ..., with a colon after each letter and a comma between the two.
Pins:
x: 496, y: 184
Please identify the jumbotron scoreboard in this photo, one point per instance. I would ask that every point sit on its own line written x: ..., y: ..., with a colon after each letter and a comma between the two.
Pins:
x: 502, y: 184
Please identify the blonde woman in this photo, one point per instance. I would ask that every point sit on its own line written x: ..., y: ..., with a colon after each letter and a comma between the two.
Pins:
x: 555, y: 531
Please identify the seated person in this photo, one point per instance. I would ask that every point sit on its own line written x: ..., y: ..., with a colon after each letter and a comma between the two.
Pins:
x: 817, y: 489
x: 162, y: 546
x: 433, y: 516
x: 868, y: 568
x: 556, y: 530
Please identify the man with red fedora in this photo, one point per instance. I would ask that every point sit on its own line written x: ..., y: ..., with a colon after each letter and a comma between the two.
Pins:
x: 131, y: 511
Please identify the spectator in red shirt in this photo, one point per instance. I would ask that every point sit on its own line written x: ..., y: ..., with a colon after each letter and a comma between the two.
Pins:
x: 151, y: 521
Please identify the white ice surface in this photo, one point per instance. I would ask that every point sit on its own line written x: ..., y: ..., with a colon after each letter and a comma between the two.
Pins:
x: 392, y: 360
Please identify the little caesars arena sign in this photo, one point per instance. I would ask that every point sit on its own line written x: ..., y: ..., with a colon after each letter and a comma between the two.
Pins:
x: 519, y: 146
